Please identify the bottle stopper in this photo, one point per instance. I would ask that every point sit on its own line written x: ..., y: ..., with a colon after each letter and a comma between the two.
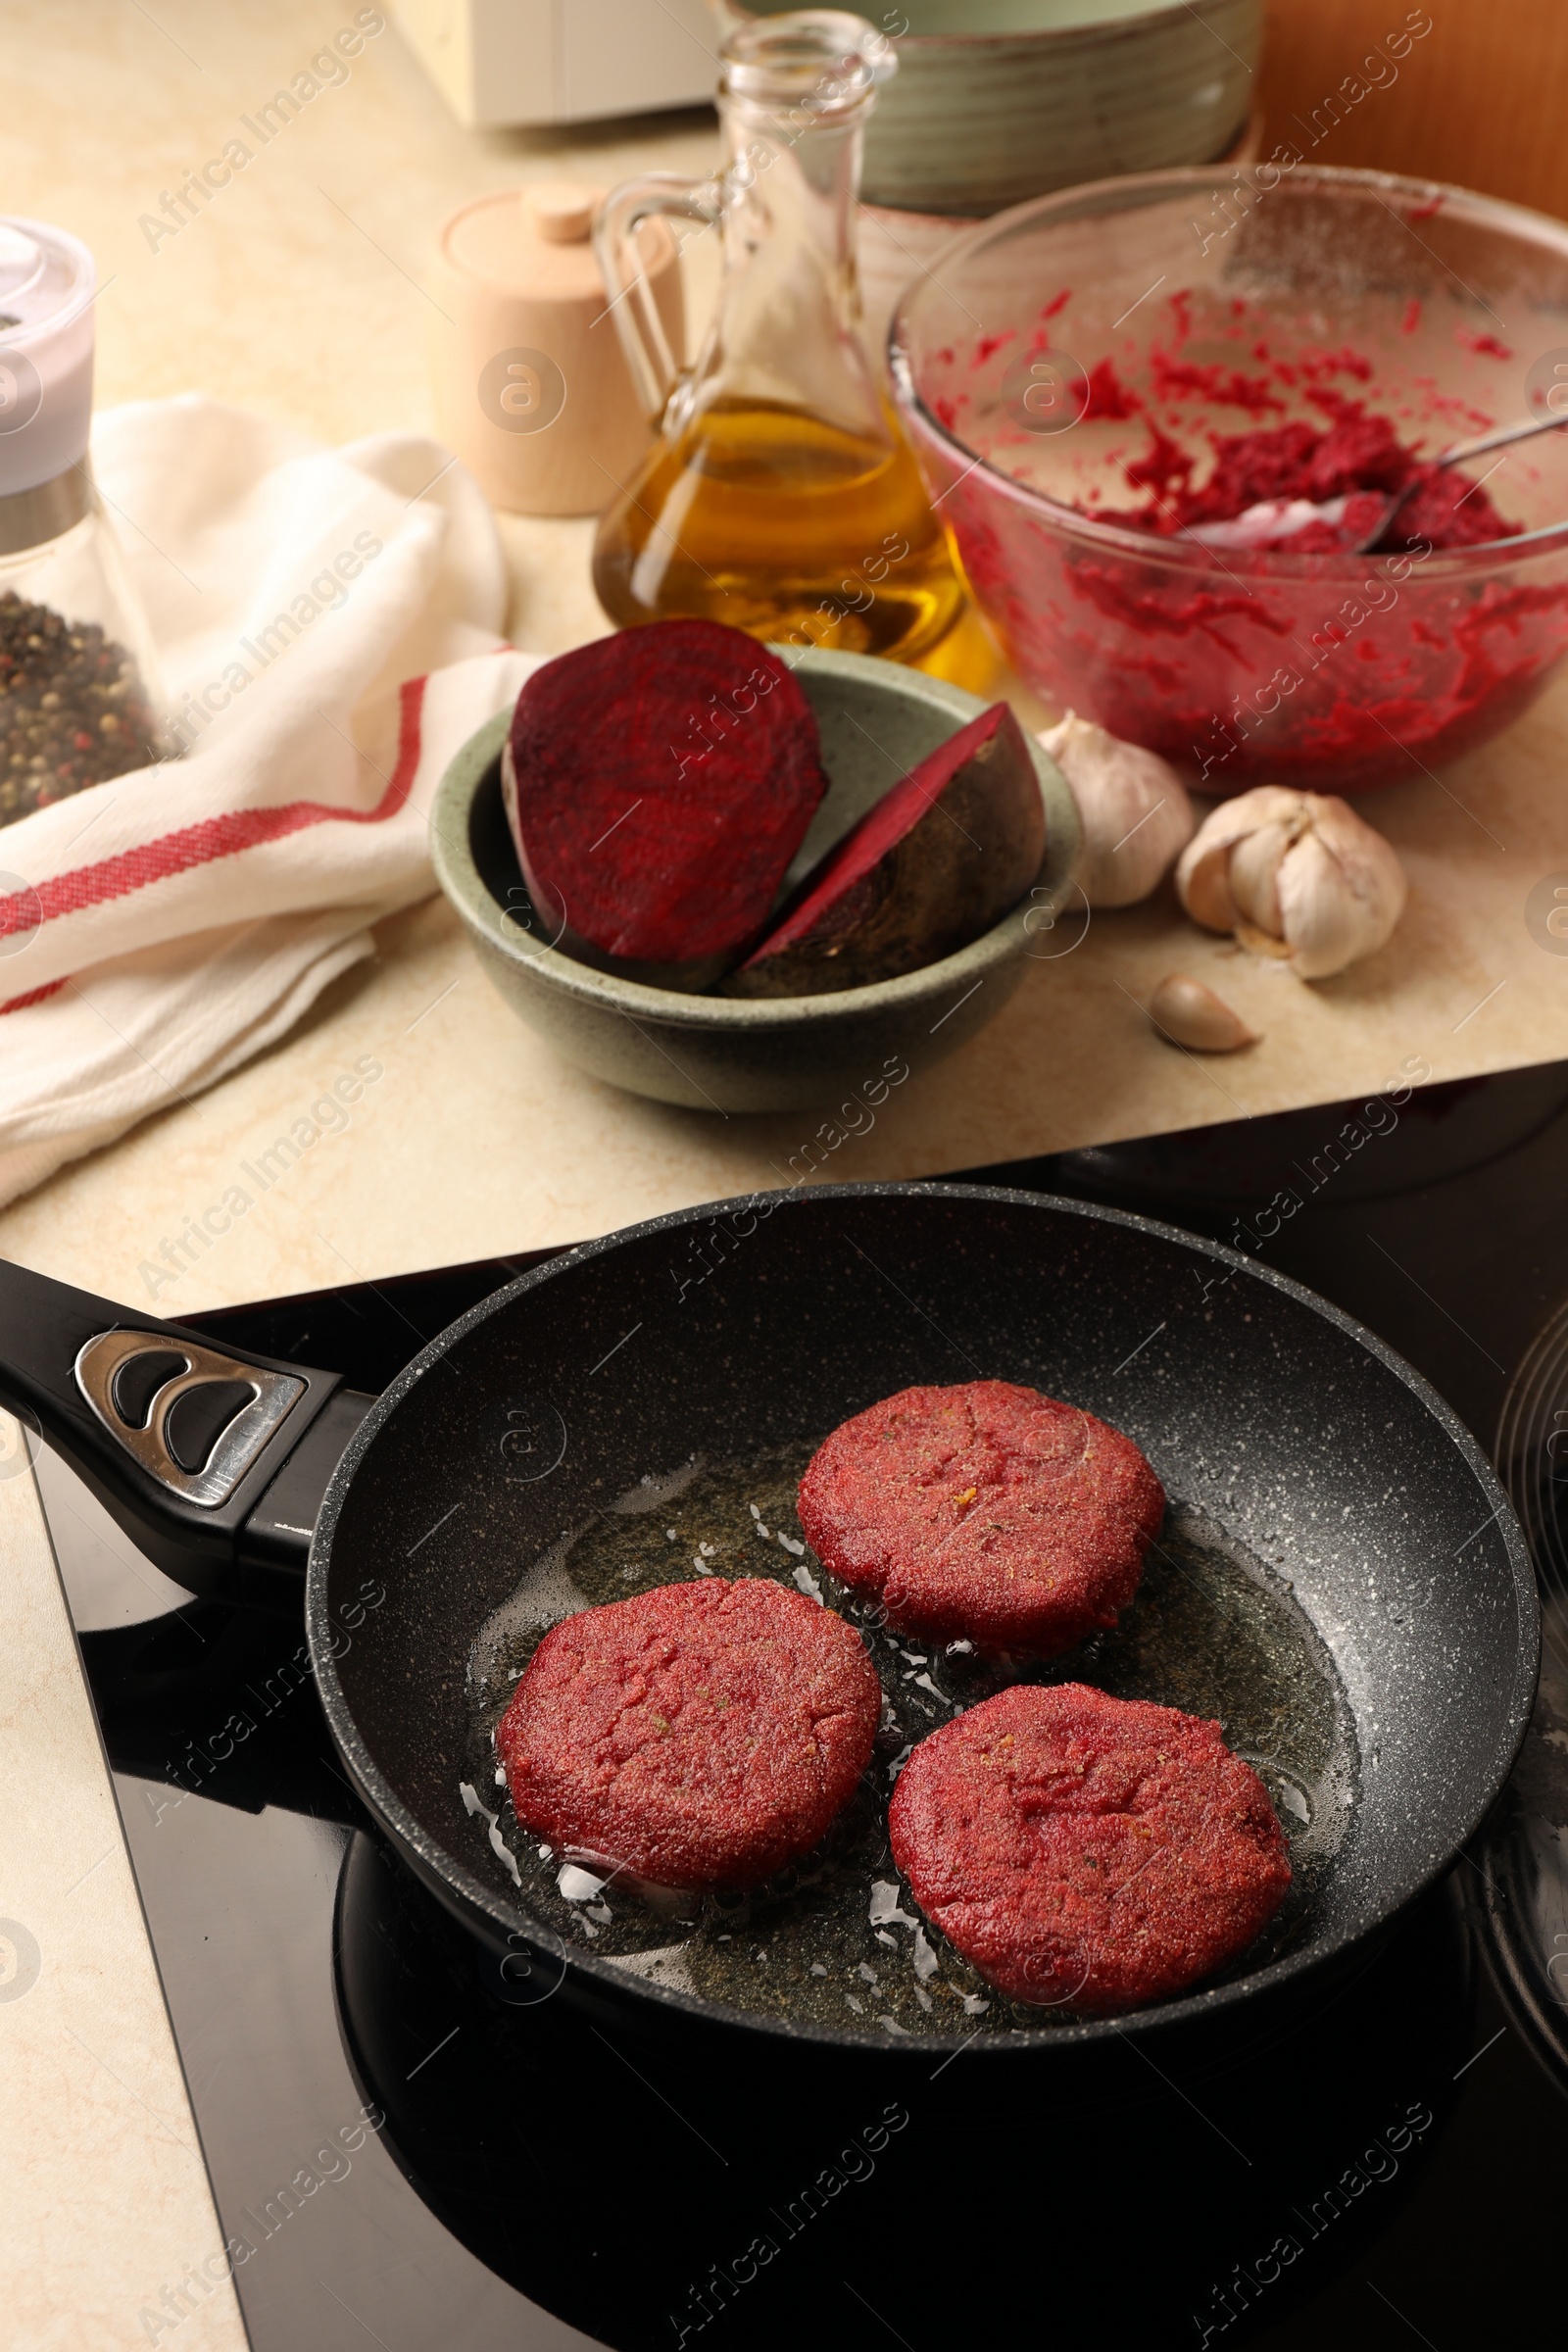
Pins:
x: 47, y: 282
x: 532, y: 388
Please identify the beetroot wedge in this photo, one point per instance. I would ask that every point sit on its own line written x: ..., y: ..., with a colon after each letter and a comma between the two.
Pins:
x: 939, y: 859
x: 657, y: 784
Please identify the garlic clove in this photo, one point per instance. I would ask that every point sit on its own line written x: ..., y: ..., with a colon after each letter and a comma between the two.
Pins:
x: 1254, y: 875
x: 1203, y: 884
x: 1135, y: 810
x: 1342, y: 891
x: 1203, y: 875
x: 1188, y: 1013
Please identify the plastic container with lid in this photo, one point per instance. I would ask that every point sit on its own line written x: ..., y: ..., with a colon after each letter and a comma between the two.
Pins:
x: 80, y: 699
x: 532, y: 389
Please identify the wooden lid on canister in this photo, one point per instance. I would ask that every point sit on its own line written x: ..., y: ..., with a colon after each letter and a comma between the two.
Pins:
x: 532, y: 388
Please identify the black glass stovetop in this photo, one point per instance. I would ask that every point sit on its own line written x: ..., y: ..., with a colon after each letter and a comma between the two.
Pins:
x: 407, y: 2151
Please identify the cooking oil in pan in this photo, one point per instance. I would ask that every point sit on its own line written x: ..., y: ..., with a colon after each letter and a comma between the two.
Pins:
x: 837, y: 1941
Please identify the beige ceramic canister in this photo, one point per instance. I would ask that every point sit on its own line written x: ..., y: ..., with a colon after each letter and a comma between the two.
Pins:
x: 532, y: 388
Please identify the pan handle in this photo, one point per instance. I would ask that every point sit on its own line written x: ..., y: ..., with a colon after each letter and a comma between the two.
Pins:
x: 211, y: 1463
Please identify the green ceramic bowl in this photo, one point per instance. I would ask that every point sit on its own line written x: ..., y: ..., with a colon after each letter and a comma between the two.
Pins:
x: 733, y: 1054
x: 997, y: 100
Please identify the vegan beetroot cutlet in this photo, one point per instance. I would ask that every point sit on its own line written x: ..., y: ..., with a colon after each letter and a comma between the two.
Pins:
x: 985, y: 1511
x: 700, y: 1734
x: 1085, y: 1851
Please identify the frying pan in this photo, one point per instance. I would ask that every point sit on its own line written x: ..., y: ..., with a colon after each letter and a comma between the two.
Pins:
x: 1307, y: 1451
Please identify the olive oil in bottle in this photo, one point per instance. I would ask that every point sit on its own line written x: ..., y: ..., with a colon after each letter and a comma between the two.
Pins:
x: 780, y: 495
x: 784, y: 524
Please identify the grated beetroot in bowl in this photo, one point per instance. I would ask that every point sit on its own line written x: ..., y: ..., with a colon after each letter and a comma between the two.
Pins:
x: 1252, y: 643
x: 1357, y: 458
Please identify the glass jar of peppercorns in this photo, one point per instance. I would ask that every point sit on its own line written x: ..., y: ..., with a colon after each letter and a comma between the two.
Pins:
x: 79, y: 700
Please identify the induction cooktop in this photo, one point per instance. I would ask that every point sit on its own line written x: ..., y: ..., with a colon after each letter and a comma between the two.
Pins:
x: 408, y: 2150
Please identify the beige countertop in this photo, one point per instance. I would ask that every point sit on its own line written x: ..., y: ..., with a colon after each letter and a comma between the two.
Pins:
x: 477, y: 1140
x: 299, y: 293
x: 109, y: 2220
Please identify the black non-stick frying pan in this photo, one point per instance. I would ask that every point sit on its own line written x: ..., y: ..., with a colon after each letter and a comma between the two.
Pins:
x: 1341, y: 1579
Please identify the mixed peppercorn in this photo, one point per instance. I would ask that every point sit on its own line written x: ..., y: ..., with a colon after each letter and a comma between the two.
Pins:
x: 73, y: 708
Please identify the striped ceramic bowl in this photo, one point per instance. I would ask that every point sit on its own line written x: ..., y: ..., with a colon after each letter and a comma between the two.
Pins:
x: 998, y: 100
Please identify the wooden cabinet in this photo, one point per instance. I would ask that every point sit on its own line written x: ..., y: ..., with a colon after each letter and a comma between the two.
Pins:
x: 1479, y: 99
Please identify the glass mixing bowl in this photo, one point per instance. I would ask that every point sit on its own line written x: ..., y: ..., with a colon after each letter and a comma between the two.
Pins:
x: 1039, y: 358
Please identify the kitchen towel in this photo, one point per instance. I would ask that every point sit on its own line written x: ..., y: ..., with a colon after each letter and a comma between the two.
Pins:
x: 329, y: 624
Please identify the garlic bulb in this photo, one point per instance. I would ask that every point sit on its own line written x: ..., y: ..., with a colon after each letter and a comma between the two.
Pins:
x: 1191, y: 1014
x: 1135, y: 815
x: 1294, y: 874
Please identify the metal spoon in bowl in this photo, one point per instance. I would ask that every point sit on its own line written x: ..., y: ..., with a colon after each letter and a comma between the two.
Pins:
x: 1273, y: 522
x: 1502, y: 437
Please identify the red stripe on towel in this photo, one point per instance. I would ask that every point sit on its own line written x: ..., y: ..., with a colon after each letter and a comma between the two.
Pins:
x: 34, y: 996
x: 201, y: 844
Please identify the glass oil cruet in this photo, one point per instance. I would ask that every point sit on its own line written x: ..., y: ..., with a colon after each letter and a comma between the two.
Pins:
x: 780, y: 495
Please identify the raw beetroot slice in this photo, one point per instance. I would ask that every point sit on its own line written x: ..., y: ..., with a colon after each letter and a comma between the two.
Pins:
x: 657, y: 784
x: 937, y: 861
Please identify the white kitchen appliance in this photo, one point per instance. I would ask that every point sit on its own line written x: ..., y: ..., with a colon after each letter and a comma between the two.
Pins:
x: 531, y: 61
